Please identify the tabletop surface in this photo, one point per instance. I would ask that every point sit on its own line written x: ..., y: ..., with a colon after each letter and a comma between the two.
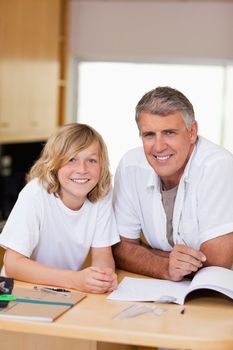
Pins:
x: 207, y: 322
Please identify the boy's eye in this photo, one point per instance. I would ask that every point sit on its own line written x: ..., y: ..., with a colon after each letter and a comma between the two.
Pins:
x: 169, y: 132
x: 92, y: 161
x: 72, y: 160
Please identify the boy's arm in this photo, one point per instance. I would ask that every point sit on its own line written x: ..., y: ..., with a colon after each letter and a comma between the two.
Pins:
x: 22, y: 268
x: 91, y: 279
x: 102, y: 257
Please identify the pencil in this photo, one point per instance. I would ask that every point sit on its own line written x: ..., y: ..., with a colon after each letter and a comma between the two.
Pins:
x: 182, y: 311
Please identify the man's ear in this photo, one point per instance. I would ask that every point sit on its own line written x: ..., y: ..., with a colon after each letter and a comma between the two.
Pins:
x: 193, y: 132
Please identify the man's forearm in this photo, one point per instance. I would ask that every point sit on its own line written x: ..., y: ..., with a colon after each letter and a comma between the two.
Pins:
x: 219, y: 251
x: 139, y: 258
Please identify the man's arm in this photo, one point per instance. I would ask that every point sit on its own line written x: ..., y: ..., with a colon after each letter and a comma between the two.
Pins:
x: 134, y: 256
x: 219, y: 251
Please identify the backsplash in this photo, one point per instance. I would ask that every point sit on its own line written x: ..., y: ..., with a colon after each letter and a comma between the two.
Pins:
x: 15, y: 161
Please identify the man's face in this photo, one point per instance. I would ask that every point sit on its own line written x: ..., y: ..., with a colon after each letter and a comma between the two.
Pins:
x: 167, y: 144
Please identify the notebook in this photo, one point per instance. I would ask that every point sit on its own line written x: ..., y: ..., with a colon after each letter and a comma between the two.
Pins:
x: 39, y: 305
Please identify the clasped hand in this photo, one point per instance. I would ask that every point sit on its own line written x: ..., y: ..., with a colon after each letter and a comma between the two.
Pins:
x: 96, y: 280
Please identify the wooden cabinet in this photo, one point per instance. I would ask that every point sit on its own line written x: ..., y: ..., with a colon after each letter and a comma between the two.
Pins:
x: 32, y: 68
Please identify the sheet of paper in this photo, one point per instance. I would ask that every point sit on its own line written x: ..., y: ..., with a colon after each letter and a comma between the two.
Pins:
x: 214, y: 276
x: 144, y: 289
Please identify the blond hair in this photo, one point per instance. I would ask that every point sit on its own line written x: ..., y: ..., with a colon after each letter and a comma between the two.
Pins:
x: 63, y: 145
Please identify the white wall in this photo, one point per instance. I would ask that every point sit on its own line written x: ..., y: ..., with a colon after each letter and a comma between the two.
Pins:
x: 152, y: 30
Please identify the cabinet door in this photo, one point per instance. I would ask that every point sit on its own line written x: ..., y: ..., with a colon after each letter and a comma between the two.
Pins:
x: 29, y: 69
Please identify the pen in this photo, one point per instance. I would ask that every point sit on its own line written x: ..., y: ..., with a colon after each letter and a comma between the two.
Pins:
x: 182, y: 311
x: 182, y: 239
x: 60, y: 291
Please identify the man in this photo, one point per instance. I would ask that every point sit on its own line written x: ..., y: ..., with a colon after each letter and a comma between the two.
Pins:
x: 177, y: 190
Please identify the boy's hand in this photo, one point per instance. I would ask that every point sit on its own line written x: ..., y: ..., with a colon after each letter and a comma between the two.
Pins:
x: 96, y: 280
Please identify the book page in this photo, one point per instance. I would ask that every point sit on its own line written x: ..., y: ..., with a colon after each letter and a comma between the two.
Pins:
x: 149, y: 289
x: 215, y: 278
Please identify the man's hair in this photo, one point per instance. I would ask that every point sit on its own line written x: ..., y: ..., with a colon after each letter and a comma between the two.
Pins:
x: 163, y: 101
x: 64, y: 144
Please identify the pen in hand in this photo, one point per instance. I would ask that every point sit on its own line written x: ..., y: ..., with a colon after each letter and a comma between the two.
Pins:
x: 182, y: 239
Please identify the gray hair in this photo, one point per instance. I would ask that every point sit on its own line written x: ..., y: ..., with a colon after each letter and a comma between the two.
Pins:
x: 164, y: 101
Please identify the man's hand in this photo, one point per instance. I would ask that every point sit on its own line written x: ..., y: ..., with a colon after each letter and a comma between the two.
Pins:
x: 184, y: 260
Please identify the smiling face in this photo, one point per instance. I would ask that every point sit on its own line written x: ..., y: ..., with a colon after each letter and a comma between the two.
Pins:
x: 79, y: 176
x: 168, y: 145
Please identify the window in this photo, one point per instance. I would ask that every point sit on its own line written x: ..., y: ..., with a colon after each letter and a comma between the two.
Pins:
x: 108, y: 93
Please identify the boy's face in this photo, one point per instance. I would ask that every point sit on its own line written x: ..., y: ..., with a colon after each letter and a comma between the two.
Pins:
x: 168, y: 145
x: 79, y: 176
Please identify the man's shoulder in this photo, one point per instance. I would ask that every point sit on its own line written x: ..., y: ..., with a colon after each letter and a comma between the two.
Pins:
x: 209, y: 152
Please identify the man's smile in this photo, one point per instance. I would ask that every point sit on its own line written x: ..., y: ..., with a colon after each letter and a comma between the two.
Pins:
x: 163, y: 158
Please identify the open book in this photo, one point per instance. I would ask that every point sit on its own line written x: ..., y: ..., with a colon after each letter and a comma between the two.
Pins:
x: 149, y: 289
x: 37, y: 305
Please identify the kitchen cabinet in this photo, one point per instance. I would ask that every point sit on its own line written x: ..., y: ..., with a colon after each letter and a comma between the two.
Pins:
x: 32, y: 68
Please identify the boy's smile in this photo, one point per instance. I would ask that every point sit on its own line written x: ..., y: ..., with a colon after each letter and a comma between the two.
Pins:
x: 79, y: 176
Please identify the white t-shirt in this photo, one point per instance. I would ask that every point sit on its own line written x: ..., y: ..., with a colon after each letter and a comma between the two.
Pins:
x: 204, y: 202
x: 42, y: 228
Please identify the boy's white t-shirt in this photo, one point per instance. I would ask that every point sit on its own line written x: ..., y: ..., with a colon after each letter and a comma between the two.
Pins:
x: 43, y: 229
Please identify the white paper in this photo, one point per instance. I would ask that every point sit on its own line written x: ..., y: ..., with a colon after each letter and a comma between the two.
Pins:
x: 147, y: 289
x: 150, y: 289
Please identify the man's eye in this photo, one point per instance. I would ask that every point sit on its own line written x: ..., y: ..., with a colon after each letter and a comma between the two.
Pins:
x: 148, y: 135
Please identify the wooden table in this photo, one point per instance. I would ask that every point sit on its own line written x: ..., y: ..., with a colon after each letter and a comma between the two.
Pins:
x: 207, y: 324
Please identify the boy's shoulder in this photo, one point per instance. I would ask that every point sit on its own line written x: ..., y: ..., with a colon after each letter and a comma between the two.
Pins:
x: 105, y: 200
x: 33, y: 188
